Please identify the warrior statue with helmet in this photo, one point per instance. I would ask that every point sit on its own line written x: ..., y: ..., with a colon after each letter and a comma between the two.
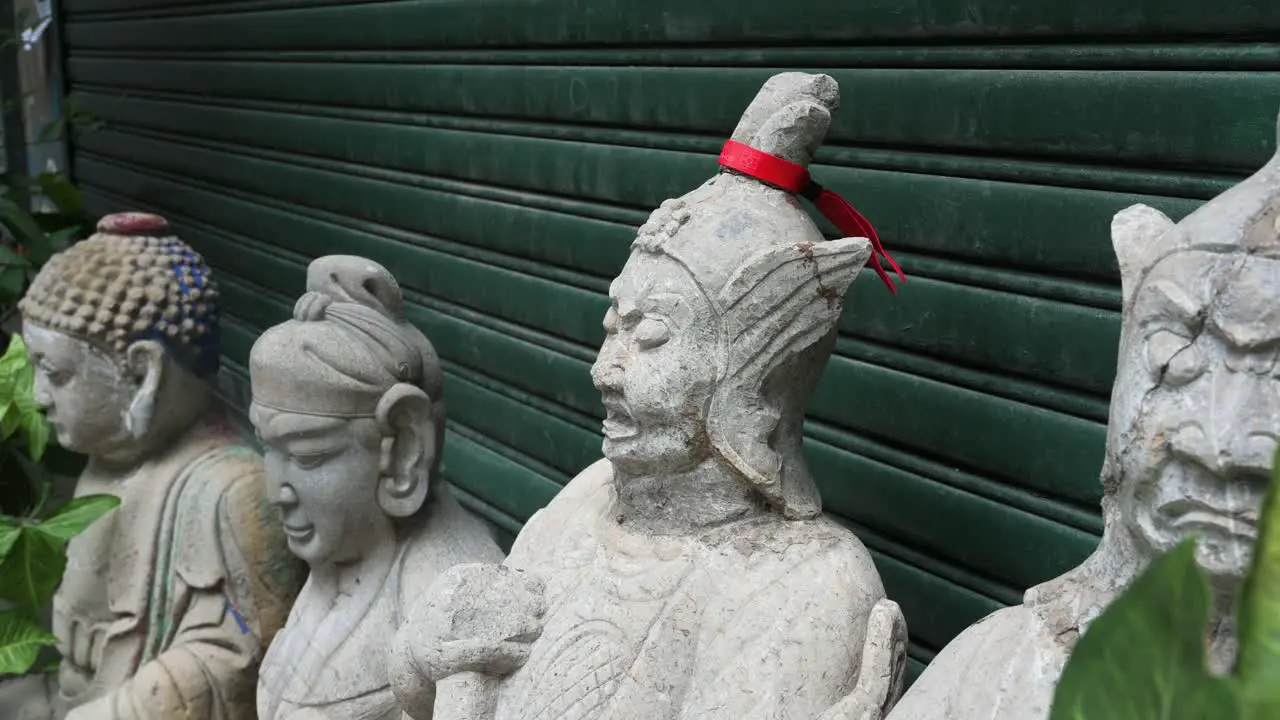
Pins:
x: 690, y: 573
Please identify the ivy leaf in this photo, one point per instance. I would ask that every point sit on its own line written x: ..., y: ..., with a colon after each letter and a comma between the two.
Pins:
x: 1258, y: 662
x: 1144, y: 657
x: 32, y: 569
x: 72, y: 519
x: 20, y: 642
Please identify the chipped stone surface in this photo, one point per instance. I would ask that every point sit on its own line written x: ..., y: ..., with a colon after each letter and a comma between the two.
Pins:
x: 690, y: 573
x: 169, y: 601
x: 1192, y: 433
x: 348, y: 401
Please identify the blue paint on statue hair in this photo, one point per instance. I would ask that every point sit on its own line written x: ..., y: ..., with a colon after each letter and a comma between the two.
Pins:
x: 201, y: 357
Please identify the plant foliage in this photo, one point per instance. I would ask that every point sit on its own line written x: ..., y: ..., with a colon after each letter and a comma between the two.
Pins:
x: 32, y: 539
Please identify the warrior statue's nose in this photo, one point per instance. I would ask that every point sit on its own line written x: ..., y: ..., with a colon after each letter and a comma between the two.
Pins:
x: 1242, y: 421
x: 607, y: 371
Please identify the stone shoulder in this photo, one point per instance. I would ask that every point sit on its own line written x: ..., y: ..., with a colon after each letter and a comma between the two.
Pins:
x: 804, y: 555
x: 1005, y: 644
x: 228, y: 535
x: 589, y: 493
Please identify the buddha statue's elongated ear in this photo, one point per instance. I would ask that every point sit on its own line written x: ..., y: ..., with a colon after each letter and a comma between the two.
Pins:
x: 408, y: 449
x: 1136, y: 234
x: 144, y: 364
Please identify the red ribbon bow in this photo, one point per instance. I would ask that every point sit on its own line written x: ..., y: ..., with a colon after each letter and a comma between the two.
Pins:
x: 795, y: 179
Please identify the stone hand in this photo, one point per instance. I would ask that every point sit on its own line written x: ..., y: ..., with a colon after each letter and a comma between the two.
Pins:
x: 479, y: 618
x: 882, y: 670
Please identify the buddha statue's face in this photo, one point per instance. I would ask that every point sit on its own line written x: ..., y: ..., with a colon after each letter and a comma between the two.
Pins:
x: 1196, y: 449
x: 322, y: 475
x: 656, y: 369
x: 84, y: 393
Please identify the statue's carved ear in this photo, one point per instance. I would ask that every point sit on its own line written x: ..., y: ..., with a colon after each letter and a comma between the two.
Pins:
x: 408, y: 449
x: 144, y: 364
x: 1137, y: 233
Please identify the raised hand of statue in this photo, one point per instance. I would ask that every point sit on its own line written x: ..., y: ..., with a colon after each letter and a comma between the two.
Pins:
x: 476, y: 627
x: 882, y: 670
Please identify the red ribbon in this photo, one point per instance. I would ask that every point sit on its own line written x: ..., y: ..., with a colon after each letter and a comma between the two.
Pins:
x: 795, y: 179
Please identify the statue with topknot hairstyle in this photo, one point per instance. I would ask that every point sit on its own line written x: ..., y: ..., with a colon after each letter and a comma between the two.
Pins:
x: 348, y: 400
x: 690, y: 573
x: 169, y: 601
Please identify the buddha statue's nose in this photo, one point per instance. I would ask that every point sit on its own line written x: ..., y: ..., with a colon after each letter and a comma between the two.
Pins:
x: 287, y: 497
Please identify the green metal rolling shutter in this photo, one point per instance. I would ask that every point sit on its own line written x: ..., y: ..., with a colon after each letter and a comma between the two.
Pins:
x: 497, y: 155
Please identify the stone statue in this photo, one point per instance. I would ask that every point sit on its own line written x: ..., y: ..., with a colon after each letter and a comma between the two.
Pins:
x: 348, y: 402
x: 689, y: 574
x: 1194, y: 415
x: 169, y: 601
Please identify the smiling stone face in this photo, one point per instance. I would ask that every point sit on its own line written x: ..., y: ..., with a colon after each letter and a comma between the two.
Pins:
x: 1205, y: 331
x: 322, y: 476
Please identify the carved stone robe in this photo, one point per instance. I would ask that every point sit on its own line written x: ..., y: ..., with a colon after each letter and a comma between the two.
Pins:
x: 1004, y: 667
x: 330, y: 659
x: 760, y: 619
x: 169, y: 601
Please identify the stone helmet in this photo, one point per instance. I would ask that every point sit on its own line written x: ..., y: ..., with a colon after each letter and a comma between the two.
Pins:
x: 775, y: 285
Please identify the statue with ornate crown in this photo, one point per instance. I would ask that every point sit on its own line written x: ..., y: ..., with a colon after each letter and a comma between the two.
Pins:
x: 170, y: 600
x: 1195, y: 411
x: 348, y: 399
x: 690, y: 573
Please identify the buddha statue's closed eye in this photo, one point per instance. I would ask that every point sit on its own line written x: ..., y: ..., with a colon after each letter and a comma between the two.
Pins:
x: 169, y: 601
x: 1195, y: 411
x: 690, y: 573
x: 348, y: 401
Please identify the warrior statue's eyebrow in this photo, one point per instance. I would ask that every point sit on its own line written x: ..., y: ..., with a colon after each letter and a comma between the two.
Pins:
x: 665, y: 303
x: 1173, y: 301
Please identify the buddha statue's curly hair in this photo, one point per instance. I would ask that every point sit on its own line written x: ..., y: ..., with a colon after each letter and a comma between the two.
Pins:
x: 130, y: 281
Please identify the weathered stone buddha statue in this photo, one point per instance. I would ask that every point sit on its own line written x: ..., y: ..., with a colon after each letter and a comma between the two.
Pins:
x: 1194, y: 414
x: 348, y: 401
x: 169, y: 601
x: 690, y: 573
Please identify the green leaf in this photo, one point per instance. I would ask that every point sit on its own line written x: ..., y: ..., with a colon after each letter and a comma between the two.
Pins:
x: 32, y: 569
x: 10, y: 421
x: 25, y: 230
x: 1144, y: 657
x: 8, y: 536
x: 13, y: 280
x: 37, y: 431
x: 20, y: 642
x: 59, y: 189
x: 72, y: 519
x: 63, y: 237
x: 1258, y: 662
x: 51, y: 131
